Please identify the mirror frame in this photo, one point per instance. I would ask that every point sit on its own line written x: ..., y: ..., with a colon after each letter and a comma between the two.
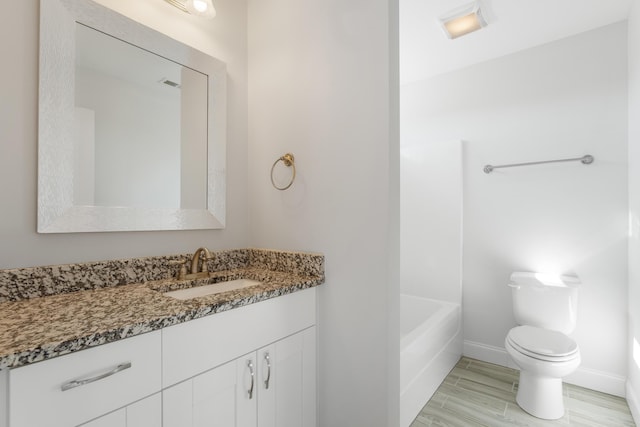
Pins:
x: 56, y: 211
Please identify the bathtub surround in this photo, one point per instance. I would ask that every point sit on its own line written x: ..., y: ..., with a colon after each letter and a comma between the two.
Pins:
x: 430, y: 267
x: 103, y: 308
x: 431, y: 218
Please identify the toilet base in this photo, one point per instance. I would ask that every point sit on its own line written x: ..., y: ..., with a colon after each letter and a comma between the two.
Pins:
x: 540, y: 396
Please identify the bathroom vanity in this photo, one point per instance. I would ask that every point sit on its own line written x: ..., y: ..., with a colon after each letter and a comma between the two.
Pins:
x: 130, y: 355
x: 144, y: 342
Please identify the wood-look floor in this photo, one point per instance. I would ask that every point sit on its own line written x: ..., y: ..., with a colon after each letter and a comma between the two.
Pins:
x: 476, y: 393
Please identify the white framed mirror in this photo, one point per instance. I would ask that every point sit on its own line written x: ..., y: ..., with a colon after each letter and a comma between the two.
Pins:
x: 132, y: 126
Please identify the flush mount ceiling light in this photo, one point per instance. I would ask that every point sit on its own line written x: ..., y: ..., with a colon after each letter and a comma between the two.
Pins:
x: 203, y: 8
x: 463, y: 20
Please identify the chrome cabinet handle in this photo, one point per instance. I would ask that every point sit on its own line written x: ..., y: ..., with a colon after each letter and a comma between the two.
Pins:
x: 250, y: 366
x: 77, y: 383
x: 268, y: 360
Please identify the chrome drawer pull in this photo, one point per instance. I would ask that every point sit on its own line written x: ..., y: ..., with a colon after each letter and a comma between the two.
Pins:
x: 77, y: 383
x: 250, y: 391
x: 268, y: 360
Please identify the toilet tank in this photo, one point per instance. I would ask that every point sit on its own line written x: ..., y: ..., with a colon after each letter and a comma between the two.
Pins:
x: 545, y: 301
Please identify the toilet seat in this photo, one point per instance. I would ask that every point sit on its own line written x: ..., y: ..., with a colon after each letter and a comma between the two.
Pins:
x: 542, y: 344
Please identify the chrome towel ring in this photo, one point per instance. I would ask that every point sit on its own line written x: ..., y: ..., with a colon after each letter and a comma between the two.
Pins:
x: 287, y: 159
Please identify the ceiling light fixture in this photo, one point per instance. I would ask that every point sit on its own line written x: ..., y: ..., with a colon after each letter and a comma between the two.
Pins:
x: 202, y: 8
x: 463, y: 20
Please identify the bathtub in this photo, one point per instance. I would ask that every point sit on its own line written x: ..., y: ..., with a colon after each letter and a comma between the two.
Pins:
x: 430, y: 346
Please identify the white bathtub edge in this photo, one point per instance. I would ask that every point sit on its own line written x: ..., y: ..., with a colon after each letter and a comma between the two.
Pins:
x: 443, y: 309
x: 418, y: 393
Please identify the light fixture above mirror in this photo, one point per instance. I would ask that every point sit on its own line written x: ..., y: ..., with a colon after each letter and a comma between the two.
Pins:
x: 202, y: 8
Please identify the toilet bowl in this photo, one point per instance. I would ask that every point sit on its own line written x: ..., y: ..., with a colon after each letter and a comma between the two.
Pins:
x: 545, y: 309
x: 544, y: 358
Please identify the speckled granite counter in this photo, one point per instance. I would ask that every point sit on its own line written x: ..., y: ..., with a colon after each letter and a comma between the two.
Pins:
x: 53, y: 324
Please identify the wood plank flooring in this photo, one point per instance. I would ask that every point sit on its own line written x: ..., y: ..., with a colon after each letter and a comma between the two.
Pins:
x: 477, y: 394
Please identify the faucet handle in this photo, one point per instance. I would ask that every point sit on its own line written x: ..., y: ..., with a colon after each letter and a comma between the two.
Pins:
x: 205, y: 265
x: 183, y: 268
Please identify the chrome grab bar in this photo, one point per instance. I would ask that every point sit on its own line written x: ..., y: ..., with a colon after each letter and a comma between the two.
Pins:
x: 78, y: 383
x: 586, y: 160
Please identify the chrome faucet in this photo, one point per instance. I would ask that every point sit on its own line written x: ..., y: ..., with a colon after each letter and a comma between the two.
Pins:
x: 196, y: 257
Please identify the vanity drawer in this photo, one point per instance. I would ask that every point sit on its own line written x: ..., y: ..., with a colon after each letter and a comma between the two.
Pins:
x: 71, y: 389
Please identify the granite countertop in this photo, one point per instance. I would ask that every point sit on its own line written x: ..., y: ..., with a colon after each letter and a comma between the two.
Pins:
x: 37, y: 329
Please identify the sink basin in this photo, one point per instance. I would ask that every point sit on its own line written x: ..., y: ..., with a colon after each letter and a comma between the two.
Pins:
x: 216, y: 288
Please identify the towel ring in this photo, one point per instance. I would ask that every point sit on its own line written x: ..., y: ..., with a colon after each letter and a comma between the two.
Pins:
x: 287, y: 159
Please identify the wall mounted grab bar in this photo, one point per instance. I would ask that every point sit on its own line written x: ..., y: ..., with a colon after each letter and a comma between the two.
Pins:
x: 587, y: 160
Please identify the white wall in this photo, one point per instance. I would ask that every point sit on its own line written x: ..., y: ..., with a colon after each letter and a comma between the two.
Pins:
x: 559, y: 100
x: 321, y: 87
x: 20, y: 246
x: 430, y: 216
x: 633, y: 373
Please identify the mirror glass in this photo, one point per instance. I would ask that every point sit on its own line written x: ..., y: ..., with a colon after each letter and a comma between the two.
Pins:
x: 131, y: 133
x: 129, y: 104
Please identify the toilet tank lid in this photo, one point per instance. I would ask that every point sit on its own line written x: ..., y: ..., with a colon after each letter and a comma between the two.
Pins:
x: 542, y: 279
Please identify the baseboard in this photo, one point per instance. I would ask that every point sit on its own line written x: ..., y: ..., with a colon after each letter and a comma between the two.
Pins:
x: 604, y: 382
x: 486, y: 353
x: 634, y: 404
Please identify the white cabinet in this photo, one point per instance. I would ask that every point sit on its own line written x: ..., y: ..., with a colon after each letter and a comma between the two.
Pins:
x: 209, y: 365
x: 145, y: 413
x: 251, y: 366
x: 216, y: 398
x: 73, y: 389
x: 193, y: 347
x: 287, y: 382
x: 274, y: 386
x: 114, y: 419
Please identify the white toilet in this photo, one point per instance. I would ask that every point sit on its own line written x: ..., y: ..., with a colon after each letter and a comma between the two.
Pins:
x: 545, y: 307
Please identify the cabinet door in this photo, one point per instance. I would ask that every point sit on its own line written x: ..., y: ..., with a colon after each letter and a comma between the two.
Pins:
x: 177, y: 405
x: 221, y: 395
x: 145, y: 413
x: 247, y: 393
x: 217, y: 398
x: 287, y: 382
x: 114, y: 419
